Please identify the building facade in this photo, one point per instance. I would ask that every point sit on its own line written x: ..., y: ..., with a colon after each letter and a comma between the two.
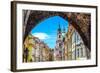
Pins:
x: 37, y: 51
x: 74, y: 46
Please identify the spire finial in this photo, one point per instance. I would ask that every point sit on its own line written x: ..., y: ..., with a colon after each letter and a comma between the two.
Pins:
x: 59, y: 29
x: 64, y: 29
x: 59, y: 26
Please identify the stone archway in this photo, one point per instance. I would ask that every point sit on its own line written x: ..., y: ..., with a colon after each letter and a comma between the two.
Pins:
x: 80, y: 21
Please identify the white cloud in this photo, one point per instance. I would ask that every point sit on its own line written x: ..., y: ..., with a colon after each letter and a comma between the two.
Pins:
x: 41, y: 36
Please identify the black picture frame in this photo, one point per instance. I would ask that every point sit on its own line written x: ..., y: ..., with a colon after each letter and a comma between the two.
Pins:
x: 14, y: 35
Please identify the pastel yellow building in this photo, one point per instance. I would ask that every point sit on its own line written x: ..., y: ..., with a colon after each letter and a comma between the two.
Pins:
x: 35, y: 50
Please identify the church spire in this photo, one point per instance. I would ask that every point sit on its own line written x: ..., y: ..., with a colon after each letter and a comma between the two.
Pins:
x: 59, y: 29
x: 64, y: 29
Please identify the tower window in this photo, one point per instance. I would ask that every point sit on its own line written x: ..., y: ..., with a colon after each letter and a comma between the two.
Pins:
x: 59, y: 36
x: 59, y: 44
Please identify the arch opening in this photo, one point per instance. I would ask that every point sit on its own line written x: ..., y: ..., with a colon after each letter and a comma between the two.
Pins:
x: 36, y: 17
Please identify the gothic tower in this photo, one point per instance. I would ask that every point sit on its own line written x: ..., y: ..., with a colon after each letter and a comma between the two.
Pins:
x: 58, y: 48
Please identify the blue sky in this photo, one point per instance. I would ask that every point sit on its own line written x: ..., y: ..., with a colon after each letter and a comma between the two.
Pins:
x: 47, y: 29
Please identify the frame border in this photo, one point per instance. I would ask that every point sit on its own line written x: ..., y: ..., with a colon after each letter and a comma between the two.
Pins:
x: 14, y: 35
